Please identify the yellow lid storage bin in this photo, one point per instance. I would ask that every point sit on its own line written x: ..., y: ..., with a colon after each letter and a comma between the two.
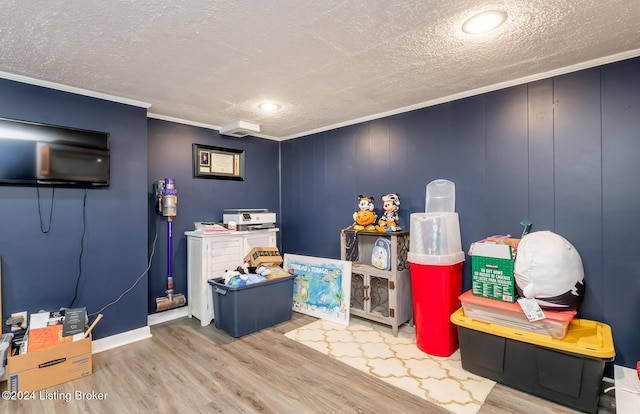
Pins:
x: 567, y: 371
x: 583, y: 336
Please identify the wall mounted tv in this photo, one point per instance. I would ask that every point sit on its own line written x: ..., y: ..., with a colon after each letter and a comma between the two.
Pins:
x: 39, y: 154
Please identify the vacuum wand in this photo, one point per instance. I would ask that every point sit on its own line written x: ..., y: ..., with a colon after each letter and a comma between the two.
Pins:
x: 167, y: 205
x: 169, y: 291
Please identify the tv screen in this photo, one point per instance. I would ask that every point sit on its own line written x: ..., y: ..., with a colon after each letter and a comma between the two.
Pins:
x: 33, y: 154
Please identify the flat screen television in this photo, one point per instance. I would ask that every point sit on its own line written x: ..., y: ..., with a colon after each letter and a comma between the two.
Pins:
x: 40, y: 154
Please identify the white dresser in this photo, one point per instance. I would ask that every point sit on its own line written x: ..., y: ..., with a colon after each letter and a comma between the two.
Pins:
x: 209, y: 255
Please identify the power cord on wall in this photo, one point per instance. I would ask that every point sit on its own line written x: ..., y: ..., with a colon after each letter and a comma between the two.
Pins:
x: 42, y: 228
x: 153, y: 249
x: 84, y: 231
x: 45, y: 230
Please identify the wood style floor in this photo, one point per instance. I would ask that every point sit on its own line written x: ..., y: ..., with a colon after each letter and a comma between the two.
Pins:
x: 185, y: 368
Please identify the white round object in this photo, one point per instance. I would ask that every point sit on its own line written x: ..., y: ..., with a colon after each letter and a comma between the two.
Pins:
x: 549, y: 269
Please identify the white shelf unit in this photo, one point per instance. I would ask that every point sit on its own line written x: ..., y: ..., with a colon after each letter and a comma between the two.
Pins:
x: 209, y: 255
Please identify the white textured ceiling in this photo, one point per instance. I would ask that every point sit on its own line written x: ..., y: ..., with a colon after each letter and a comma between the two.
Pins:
x: 329, y: 62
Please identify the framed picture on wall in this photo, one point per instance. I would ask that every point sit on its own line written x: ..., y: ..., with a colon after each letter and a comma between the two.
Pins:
x: 217, y: 162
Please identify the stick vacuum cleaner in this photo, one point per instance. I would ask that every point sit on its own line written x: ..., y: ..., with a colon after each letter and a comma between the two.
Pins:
x: 167, y: 195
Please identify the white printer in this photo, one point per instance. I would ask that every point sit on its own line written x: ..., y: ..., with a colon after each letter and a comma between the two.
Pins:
x: 249, y: 219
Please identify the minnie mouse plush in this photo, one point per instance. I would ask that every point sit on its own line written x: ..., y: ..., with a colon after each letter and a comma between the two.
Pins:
x: 389, y: 220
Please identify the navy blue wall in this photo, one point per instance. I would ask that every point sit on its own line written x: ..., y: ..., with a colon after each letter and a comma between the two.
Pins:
x: 201, y: 199
x: 39, y: 271
x: 561, y: 152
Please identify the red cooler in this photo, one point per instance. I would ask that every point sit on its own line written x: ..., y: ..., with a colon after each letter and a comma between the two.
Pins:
x: 435, y: 259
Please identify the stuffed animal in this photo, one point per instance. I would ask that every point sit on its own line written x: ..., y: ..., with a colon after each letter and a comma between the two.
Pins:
x: 389, y: 220
x: 235, y: 278
x: 365, y: 216
x: 244, y: 275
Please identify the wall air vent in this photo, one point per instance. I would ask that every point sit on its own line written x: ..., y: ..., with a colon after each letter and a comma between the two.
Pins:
x: 240, y: 129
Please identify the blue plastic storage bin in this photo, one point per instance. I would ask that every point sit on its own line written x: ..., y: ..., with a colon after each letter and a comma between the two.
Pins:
x: 246, y: 309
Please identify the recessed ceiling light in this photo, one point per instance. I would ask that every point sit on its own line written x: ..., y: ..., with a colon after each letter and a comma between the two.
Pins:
x: 269, y: 106
x: 484, y: 22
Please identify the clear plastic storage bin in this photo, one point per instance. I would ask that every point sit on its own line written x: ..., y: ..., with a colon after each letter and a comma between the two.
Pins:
x: 434, y: 234
x: 512, y: 316
x: 441, y: 197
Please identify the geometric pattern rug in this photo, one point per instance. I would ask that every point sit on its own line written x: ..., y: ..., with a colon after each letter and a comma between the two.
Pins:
x: 371, y: 348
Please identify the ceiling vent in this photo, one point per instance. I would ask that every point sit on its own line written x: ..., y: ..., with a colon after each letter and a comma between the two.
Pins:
x: 240, y: 129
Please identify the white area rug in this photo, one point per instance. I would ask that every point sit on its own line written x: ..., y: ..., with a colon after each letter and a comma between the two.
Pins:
x: 372, y: 348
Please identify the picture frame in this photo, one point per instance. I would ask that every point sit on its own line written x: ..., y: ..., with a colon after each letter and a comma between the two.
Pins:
x: 217, y: 162
x: 322, y: 287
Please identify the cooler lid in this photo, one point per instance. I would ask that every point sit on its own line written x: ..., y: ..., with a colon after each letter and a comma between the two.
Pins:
x: 468, y: 297
x: 584, y: 337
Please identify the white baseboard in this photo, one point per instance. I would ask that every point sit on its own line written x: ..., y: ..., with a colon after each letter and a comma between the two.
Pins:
x: 120, y: 339
x: 168, y: 315
x: 139, y: 334
x: 627, y: 390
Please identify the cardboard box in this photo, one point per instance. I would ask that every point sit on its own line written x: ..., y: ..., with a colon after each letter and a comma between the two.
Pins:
x: 492, y: 270
x: 38, y: 370
x: 276, y: 273
x: 264, y: 256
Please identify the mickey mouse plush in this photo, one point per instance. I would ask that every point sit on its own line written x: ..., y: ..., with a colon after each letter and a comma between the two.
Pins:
x: 389, y: 220
x: 365, y: 216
